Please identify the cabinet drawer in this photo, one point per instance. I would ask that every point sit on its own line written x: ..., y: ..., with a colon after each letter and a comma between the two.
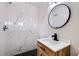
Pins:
x: 45, y: 49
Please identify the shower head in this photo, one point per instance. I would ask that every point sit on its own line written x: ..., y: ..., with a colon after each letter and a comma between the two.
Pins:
x: 10, y: 2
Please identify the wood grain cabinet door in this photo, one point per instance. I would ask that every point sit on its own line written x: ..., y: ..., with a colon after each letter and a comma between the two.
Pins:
x: 42, y: 50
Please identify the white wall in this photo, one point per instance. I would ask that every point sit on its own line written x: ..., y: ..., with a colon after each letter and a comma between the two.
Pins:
x: 71, y: 30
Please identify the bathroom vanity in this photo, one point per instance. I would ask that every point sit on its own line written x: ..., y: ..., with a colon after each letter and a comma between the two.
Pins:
x: 48, y: 47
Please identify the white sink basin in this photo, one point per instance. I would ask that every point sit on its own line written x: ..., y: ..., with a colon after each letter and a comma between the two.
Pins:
x: 52, y: 44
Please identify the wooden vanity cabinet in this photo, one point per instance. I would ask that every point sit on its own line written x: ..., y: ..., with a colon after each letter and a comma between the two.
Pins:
x: 43, y: 50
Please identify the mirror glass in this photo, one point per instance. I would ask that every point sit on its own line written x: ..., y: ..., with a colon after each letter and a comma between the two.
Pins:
x: 59, y: 16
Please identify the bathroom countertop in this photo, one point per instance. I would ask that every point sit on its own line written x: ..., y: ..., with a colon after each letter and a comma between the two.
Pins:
x: 53, y: 45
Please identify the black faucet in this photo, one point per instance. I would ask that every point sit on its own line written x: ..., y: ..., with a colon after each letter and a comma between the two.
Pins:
x: 55, y: 37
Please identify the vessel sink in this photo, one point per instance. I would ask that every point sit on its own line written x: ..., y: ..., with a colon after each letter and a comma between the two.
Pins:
x: 52, y: 44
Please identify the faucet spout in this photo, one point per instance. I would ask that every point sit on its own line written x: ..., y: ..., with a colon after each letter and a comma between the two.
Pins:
x: 55, y: 37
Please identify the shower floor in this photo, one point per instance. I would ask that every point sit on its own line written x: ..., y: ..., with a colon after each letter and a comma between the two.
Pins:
x: 29, y: 53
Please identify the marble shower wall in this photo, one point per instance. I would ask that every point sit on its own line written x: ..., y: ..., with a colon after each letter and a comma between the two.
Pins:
x: 3, y: 17
x: 22, y: 34
x: 25, y: 21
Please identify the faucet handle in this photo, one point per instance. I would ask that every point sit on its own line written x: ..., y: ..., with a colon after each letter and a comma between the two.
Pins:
x: 54, y: 34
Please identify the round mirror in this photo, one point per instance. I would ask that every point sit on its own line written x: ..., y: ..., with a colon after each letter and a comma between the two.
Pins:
x: 59, y: 16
